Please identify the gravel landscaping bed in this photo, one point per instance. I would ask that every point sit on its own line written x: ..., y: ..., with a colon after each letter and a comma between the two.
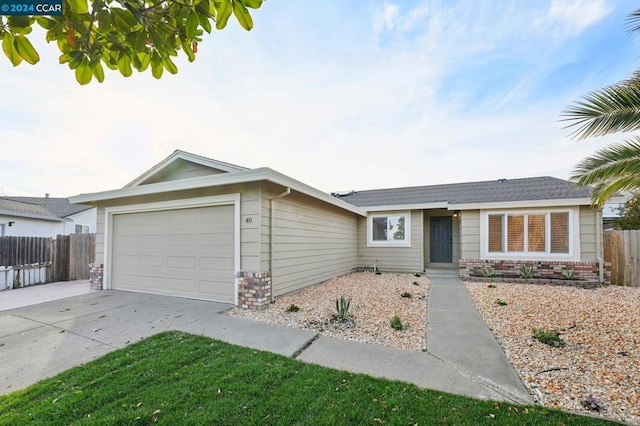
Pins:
x: 375, y: 299
x: 599, y: 366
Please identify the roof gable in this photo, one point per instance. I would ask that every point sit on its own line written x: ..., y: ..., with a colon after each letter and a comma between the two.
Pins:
x: 495, y: 191
x: 183, y: 165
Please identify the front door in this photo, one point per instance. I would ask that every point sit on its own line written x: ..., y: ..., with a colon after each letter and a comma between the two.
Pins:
x: 440, y: 240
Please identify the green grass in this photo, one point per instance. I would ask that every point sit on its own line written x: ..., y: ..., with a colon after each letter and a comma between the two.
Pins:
x: 175, y: 378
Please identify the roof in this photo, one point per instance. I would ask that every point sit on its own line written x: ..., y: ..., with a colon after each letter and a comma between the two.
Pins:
x: 55, y: 208
x: 494, y: 191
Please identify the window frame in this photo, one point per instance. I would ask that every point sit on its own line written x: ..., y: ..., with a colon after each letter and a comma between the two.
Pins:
x: 389, y: 243
x: 572, y: 225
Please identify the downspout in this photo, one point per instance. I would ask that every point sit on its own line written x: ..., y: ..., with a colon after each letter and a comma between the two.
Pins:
x: 271, y: 234
x: 599, y: 236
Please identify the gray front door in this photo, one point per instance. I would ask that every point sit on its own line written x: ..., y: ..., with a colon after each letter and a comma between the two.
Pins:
x: 440, y: 239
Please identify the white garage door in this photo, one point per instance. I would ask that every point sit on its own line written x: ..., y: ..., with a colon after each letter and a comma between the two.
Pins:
x: 186, y: 252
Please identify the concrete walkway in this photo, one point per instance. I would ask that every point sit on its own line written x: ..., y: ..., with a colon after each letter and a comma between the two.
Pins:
x: 32, y: 295
x: 462, y: 357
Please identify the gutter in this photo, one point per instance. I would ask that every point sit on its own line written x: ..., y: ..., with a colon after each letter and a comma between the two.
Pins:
x: 272, y: 233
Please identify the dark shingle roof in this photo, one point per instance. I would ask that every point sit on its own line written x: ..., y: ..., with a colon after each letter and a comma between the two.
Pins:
x: 502, y: 190
x: 58, y: 207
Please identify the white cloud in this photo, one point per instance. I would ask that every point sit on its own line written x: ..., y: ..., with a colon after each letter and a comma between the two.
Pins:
x: 568, y: 18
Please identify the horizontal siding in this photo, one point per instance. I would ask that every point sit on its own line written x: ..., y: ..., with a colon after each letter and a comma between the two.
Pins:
x: 470, y: 234
x: 99, y: 235
x: 181, y: 169
x: 313, y: 241
x: 588, y: 217
x: 393, y: 259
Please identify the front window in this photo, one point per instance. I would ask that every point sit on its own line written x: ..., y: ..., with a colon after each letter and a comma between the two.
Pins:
x: 389, y: 229
x: 544, y: 232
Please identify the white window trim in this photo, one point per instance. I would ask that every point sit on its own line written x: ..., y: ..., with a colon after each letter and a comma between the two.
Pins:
x: 574, y: 236
x: 215, y: 200
x: 407, y: 230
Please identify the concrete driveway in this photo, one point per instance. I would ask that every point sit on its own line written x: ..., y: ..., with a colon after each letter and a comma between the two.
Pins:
x: 43, y: 340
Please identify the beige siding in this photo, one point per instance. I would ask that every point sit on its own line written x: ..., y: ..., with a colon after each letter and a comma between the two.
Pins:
x: 313, y: 241
x: 470, y: 234
x: 249, y: 218
x: 393, y: 259
x: 181, y: 169
x: 455, y: 235
x: 588, y: 234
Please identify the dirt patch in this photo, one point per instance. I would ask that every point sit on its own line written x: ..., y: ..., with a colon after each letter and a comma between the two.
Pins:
x: 375, y: 299
x: 599, y: 364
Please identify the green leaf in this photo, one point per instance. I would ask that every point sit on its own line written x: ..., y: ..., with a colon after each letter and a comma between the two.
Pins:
x: 26, y: 50
x: 144, y: 59
x: 98, y: 71
x: 192, y: 25
x: 46, y: 23
x: 243, y: 15
x: 124, y: 65
x: 9, y: 48
x: 253, y: 4
x: 169, y: 65
x: 79, y: 7
x: 224, y: 12
x: 84, y: 73
x: 75, y: 59
x: 204, y: 21
x: 104, y: 20
x: 156, y: 65
x: 18, y: 22
x: 124, y: 19
x: 187, y: 49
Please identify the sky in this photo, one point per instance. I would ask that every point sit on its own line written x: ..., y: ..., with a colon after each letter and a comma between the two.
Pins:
x: 341, y: 95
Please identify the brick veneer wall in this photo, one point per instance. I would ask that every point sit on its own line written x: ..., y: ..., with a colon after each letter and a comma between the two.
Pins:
x: 254, y: 290
x: 96, y: 275
x: 504, y: 269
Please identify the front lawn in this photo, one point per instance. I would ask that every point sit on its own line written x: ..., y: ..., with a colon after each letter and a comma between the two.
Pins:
x: 177, y: 378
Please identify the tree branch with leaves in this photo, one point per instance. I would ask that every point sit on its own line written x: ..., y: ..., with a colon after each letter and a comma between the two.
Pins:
x: 123, y: 35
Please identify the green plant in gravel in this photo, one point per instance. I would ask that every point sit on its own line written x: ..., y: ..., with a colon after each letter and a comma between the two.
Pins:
x: 548, y: 337
x: 188, y: 379
x: 568, y: 274
x: 492, y: 286
x: 342, y: 309
x: 416, y: 283
x: 293, y: 308
x: 396, y: 323
x: 526, y: 271
x: 406, y: 295
x: 488, y: 272
x: 500, y: 302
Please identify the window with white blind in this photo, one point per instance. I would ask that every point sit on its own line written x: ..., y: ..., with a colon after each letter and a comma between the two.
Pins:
x: 389, y: 230
x: 528, y: 232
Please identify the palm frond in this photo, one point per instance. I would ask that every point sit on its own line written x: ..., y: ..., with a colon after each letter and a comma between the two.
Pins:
x: 609, y: 110
x: 610, y: 170
x: 633, y: 21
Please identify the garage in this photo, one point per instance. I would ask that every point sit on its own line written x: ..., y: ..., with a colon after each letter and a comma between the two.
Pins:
x: 186, y: 252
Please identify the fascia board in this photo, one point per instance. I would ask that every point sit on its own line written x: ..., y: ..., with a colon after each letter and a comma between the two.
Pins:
x: 522, y: 204
x: 423, y: 206
x: 247, y: 176
x: 33, y: 216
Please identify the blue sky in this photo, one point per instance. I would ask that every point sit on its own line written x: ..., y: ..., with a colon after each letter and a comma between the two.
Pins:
x: 340, y: 95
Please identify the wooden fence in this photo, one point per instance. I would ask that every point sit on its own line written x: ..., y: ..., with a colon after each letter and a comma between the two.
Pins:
x: 34, y: 260
x: 622, y: 249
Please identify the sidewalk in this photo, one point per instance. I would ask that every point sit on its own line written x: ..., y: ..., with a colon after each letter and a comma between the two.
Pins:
x: 32, y: 295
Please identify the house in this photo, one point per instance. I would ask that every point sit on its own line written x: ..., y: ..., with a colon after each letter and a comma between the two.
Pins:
x: 200, y: 228
x: 44, y: 217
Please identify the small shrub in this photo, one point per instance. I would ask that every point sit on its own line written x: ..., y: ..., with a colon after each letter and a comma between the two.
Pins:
x: 500, y: 302
x: 406, y: 295
x: 487, y: 272
x: 548, y: 337
x: 417, y: 274
x: 415, y: 283
x: 342, y: 309
x: 568, y: 274
x: 293, y: 308
x: 492, y: 286
x: 396, y: 323
x: 526, y: 271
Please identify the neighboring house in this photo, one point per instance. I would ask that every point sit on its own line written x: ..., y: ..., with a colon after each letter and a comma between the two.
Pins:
x: 200, y: 228
x: 44, y: 217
